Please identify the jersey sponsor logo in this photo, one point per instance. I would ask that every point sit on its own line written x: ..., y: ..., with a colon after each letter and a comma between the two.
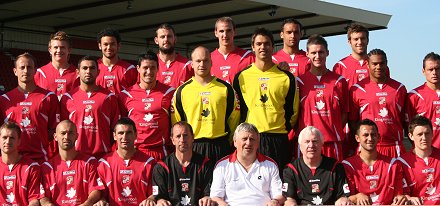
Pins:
x: 71, y: 193
x: 205, y: 112
x: 430, y: 190
x: 373, y: 184
x: 319, y: 86
x: 185, y: 200
x: 263, y: 86
x: 428, y: 170
x: 437, y: 121
x: 10, y: 177
x: 320, y: 105
x: 319, y: 93
x: 60, y: 80
x: 25, y: 110
x: 315, y: 180
x: 148, y: 99
x: 70, y: 172
x: 109, y: 77
x: 381, y: 94
x: 125, y: 179
x: 435, y: 102
x: 184, y: 179
x: 69, y: 180
x: 147, y: 106
x: 264, y: 98
x: 315, y: 188
x: 429, y: 177
x: 205, y: 93
x: 10, y: 198
x: 60, y: 87
x: 261, y: 79
x: 361, y: 71
x: 293, y: 64
x: 126, y: 192
x: 437, y: 109
x: 88, y: 120
x: 9, y: 184
x: 185, y: 187
x: 382, y: 100
x: 205, y: 100
x: 372, y: 177
x: 25, y: 103
x: 346, y: 188
x: 99, y: 181
x: 168, y: 73
x: 317, y: 200
x: 292, y: 70
x: 148, y: 117
x: 361, y: 77
x: 284, y: 187
x: 25, y: 122
x: 225, y: 74
x: 155, y: 190
x: 383, y: 112
x: 225, y: 67
x: 88, y: 108
x: 167, y: 80
x: 109, y: 83
x: 126, y: 172
x: 89, y: 101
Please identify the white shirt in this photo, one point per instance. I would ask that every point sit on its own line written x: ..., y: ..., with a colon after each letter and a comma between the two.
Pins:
x: 238, y: 187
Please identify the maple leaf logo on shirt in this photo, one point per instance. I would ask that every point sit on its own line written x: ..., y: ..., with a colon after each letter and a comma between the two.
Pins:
x: 437, y: 121
x: 264, y: 98
x: 126, y: 192
x: 10, y: 198
x: 383, y: 112
x: 71, y: 193
x: 148, y: 117
x: 320, y: 105
x: 374, y: 197
x: 430, y: 190
x: 185, y: 200
x: 205, y: 112
x: 317, y: 200
x: 88, y: 120
x: 25, y: 122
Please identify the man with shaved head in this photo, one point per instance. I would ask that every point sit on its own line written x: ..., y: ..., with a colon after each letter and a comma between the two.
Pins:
x: 70, y: 177
x: 209, y: 105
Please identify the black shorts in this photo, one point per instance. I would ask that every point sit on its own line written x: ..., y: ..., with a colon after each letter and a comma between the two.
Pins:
x: 214, y: 149
x: 276, y: 146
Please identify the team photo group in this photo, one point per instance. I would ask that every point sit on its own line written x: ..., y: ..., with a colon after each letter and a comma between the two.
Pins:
x: 224, y: 127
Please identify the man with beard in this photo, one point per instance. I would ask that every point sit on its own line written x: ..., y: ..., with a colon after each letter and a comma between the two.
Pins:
x: 58, y: 75
x: 92, y: 108
x: 184, y: 176
x: 115, y: 74
x: 174, y: 69
x: 34, y: 108
x: 70, y: 177
x: 228, y: 59
x: 373, y: 179
x: 148, y: 105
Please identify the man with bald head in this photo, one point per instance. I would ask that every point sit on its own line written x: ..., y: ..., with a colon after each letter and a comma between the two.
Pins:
x: 70, y: 177
x: 209, y: 101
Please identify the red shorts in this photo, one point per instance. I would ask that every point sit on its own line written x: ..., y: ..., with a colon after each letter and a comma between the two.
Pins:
x: 395, y: 150
x: 157, y: 153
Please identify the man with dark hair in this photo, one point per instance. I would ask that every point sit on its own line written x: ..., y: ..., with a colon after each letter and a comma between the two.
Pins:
x: 381, y: 99
x: 34, y: 108
x: 324, y: 98
x: 424, y: 100
x: 20, y: 182
x: 70, y: 176
x: 228, y: 59
x: 126, y: 172
x: 373, y: 179
x: 174, y: 69
x: 421, y: 177
x: 58, y: 75
x: 148, y: 105
x: 246, y: 177
x: 269, y: 99
x: 290, y: 57
x: 184, y: 176
x: 209, y: 105
x: 115, y: 74
x: 314, y: 178
x: 93, y: 109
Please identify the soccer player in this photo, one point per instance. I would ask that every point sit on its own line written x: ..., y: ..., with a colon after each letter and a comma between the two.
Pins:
x: 354, y: 67
x: 126, y: 172
x: 92, y: 108
x: 246, y: 177
x: 373, y: 179
x: 174, y: 69
x: 324, y: 98
x: 290, y: 57
x: 314, y: 178
x: 228, y: 59
x: 115, y: 74
x: 424, y: 100
x: 70, y: 177
x: 148, y: 105
x: 420, y: 166
x: 34, y: 108
x: 209, y: 105
x: 381, y: 99
x: 184, y: 176
x: 58, y: 75
x: 20, y: 182
x: 269, y: 99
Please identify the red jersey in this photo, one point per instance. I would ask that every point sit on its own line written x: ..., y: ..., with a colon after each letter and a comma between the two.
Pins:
x: 422, y: 176
x: 382, y: 103
x: 225, y: 67
x: 36, y: 113
x: 353, y: 70
x: 322, y: 103
x: 382, y: 181
x: 297, y: 62
x: 150, y: 110
x: 122, y: 75
x: 47, y: 77
x: 176, y: 73
x: 95, y: 115
x: 425, y: 101
x: 70, y: 182
x: 20, y: 183
x: 128, y: 181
